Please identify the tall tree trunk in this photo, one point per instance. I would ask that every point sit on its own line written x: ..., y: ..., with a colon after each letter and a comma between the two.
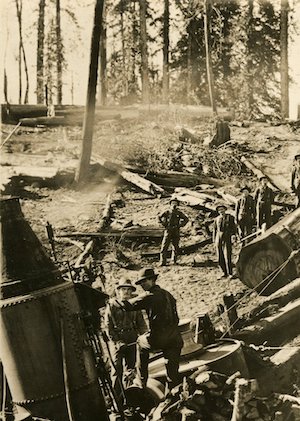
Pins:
x: 19, y: 7
x: 166, y: 45
x: 103, y: 60
x: 40, y: 53
x: 5, y: 88
x: 284, y: 66
x: 88, y: 123
x: 59, y: 55
x: 144, y: 52
x: 125, y: 75
x: 189, y: 81
x: 210, y: 75
x: 132, y: 71
x: 249, y: 53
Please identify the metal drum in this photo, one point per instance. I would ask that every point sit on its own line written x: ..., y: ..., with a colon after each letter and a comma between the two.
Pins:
x: 225, y: 356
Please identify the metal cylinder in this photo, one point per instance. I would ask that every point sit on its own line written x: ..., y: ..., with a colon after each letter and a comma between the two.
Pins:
x: 259, y: 260
x: 47, y: 359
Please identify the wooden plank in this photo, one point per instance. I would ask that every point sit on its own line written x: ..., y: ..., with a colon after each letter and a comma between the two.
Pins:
x: 259, y: 173
x: 130, y: 233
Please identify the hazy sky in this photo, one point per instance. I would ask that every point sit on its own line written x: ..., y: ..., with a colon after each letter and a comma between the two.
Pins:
x: 78, y: 51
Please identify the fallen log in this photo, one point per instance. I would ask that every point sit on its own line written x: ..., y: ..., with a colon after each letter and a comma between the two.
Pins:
x: 132, y: 178
x: 107, y: 214
x: 192, y: 198
x: 188, y: 248
x: 130, y: 233
x: 279, y: 298
x: 273, y: 330
x: 11, y: 113
x: 258, y: 172
x: 87, y: 250
x: 43, y: 121
x: 185, y: 135
x: 265, y: 254
x: 231, y: 200
x: 181, y: 179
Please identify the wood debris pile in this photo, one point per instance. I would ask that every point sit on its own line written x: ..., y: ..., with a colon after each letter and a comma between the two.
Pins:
x: 211, y: 396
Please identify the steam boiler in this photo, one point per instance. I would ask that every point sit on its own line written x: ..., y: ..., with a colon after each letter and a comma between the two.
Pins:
x: 47, y: 357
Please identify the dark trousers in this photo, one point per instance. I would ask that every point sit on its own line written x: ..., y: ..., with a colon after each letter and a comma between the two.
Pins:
x: 171, y: 353
x: 263, y: 215
x: 121, y: 356
x: 297, y: 193
x: 224, y: 255
x: 170, y: 237
x: 245, y: 228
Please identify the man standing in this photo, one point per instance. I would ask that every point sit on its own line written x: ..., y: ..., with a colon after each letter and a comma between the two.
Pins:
x: 245, y: 213
x: 263, y: 197
x: 123, y: 329
x: 295, y: 182
x: 172, y: 220
x: 224, y: 229
x: 163, y: 333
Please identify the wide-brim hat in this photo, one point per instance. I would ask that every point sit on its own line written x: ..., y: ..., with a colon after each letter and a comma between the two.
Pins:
x: 245, y: 188
x: 147, y: 273
x: 221, y: 205
x: 174, y: 199
x: 297, y: 155
x: 126, y: 283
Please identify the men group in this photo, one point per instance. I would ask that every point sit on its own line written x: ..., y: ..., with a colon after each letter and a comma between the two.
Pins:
x: 162, y: 335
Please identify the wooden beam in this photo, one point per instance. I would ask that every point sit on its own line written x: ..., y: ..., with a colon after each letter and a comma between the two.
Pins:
x: 131, y: 233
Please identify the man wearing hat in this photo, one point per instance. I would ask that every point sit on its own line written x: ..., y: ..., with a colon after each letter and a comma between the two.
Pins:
x: 172, y: 220
x: 295, y: 182
x: 123, y: 329
x: 245, y: 213
x: 163, y: 335
x: 264, y: 198
x: 223, y: 230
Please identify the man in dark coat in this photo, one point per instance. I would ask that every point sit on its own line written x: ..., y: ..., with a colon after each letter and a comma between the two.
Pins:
x: 264, y: 198
x: 123, y: 330
x: 163, y: 335
x: 295, y: 181
x: 172, y: 220
x: 224, y: 229
x: 245, y: 213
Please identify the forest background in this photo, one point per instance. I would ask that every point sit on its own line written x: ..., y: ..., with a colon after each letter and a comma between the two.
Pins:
x: 245, y: 45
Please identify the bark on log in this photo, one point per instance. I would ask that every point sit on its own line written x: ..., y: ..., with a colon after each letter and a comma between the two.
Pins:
x: 279, y: 298
x: 265, y: 254
x: 43, y: 121
x: 107, y: 214
x: 131, y: 233
x: 276, y: 329
x: 181, y: 179
x: 132, y: 178
x: 258, y: 172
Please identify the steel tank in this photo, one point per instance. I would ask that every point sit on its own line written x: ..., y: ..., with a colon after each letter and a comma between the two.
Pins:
x: 46, y: 357
x: 262, y: 256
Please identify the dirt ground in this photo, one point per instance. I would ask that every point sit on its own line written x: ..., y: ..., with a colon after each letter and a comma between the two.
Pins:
x: 148, y: 140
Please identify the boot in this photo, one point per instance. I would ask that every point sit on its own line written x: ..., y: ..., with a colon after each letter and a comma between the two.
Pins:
x: 162, y: 260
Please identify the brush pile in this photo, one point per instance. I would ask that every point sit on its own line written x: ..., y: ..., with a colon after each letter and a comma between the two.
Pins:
x: 211, y: 396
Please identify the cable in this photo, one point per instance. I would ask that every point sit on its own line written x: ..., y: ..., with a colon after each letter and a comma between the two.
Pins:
x: 273, y: 276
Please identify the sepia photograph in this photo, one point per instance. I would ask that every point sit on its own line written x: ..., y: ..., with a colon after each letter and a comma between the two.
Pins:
x: 150, y: 210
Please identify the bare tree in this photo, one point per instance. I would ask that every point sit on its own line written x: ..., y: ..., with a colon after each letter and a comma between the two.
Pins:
x: 88, y: 123
x: 40, y: 53
x: 59, y: 55
x: 249, y: 46
x: 103, y: 61
x: 144, y: 52
x: 22, y: 55
x: 210, y: 76
x: 284, y: 66
x: 166, y: 45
